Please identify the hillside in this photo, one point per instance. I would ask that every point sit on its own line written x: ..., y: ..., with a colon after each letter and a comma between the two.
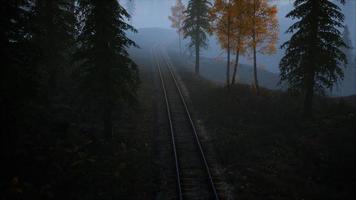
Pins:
x: 268, y: 151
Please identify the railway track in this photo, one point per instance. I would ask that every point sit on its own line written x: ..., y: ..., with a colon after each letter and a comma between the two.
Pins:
x: 193, y: 175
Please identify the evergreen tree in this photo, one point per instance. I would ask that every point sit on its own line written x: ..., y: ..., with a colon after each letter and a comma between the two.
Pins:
x: 196, y: 26
x: 108, y: 76
x: 18, y: 84
x: 54, y: 23
x: 313, y: 59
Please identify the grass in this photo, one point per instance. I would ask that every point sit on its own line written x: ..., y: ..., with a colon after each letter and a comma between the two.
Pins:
x: 269, y: 151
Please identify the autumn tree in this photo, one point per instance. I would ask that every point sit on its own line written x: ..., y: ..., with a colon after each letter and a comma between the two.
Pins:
x: 177, y: 19
x: 109, y: 78
x: 240, y: 33
x: 314, y: 58
x: 229, y: 24
x: 222, y: 14
x: 263, y: 31
x: 196, y: 27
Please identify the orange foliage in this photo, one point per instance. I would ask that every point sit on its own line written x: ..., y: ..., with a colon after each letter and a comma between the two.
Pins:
x: 263, y: 25
x: 243, y: 18
x: 229, y: 24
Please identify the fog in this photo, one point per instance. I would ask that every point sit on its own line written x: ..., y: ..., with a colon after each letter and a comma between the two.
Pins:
x: 154, y: 13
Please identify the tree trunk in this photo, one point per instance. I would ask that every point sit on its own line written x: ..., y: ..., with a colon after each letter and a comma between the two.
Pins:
x: 310, y: 70
x: 228, y: 52
x: 107, y: 108
x: 50, y: 49
x: 255, y: 71
x: 108, y: 122
x: 309, y: 94
x: 235, y: 67
x: 254, y: 52
x: 197, y: 55
x: 180, y: 41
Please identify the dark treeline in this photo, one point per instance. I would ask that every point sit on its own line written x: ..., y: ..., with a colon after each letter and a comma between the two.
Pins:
x: 64, y: 69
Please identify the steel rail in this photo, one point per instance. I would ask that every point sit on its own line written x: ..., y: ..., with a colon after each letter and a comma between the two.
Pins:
x: 169, y: 114
x: 197, y: 140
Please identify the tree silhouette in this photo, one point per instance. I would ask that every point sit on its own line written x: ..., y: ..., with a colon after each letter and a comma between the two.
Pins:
x: 109, y: 77
x: 313, y: 59
x: 18, y: 84
x: 54, y: 26
x: 196, y: 27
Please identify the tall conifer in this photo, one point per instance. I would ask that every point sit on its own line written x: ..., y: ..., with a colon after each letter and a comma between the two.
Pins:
x: 314, y: 58
x: 54, y: 30
x: 109, y: 77
x: 196, y: 26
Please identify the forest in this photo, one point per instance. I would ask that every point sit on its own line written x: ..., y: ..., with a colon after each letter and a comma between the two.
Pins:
x: 177, y: 99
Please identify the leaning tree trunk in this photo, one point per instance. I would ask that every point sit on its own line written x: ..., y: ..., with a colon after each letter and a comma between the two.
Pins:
x: 255, y: 78
x: 254, y: 51
x: 235, y: 67
x: 228, y: 52
x: 228, y: 68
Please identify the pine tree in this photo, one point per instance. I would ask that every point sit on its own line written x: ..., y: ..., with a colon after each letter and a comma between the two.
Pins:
x: 177, y: 19
x: 196, y: 27
x: 109, y: 77
x: 54, y: 30
x: 18, y: 84
x: 314, y: 58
